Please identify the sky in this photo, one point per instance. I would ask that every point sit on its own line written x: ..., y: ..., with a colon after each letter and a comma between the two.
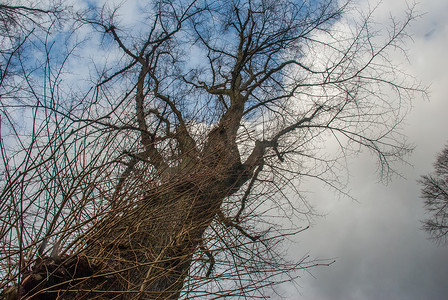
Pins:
x: 376, y: 240
x: 380, y: 250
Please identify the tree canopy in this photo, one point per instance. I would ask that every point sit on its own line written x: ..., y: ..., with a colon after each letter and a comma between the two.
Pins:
x: 435, y: 195
x: 159, y: 158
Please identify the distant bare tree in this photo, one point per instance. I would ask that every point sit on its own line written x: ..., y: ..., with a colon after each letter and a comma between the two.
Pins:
x: 435, y: 194
x: 171, y: 169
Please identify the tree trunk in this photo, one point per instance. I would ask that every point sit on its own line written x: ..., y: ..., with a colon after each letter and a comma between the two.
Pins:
x: 145, y: 251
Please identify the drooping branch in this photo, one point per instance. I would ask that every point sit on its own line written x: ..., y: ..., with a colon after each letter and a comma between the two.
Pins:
x: 248, y: 192
x: 230, y: 223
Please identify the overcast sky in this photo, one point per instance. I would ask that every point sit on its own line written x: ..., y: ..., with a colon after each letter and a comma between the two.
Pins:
x: 380, y: 251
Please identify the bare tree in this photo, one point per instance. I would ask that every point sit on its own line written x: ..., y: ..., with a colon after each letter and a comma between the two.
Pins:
x: 435, y: 194
x: 165, y: 177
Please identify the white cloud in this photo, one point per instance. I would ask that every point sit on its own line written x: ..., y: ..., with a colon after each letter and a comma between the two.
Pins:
x: 381, y: 251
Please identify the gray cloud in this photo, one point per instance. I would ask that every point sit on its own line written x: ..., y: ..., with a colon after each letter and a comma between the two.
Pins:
x: 380, y: 250
x: 381, y: 253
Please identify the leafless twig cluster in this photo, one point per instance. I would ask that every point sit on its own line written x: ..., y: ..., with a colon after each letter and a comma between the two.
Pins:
x: 170, y: 170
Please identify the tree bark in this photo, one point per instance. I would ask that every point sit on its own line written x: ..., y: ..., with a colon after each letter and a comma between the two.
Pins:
x: 145, y: 250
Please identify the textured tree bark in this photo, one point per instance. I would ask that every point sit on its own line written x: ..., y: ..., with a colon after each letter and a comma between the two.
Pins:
x: 145, y: 251
x: 157, y: 240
